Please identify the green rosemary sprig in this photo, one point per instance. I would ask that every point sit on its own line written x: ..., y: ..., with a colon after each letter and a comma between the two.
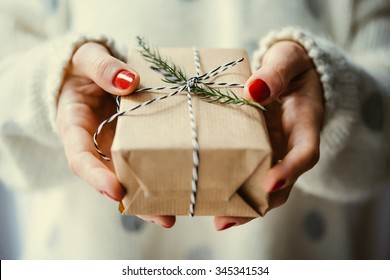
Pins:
x: 215, y: 95
x: 172, y: 73
x: 175, y: 75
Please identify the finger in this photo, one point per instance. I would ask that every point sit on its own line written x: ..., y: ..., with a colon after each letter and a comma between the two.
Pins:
x: 94, y: 61
x: 301, y: 157
x: 223, y: 223
x: 73, y: 125
x: 283, y: 175
x: 282, y: 63
x: 164, y: 221
x: 85, y: 164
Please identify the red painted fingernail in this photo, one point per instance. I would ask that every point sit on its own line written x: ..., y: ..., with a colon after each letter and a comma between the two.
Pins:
x: 164, y: 226
x: 227, y: 226
x: 161, y: 225
x: 106, y: 194
x: 123, y: 79
x: 123, y: 191
x: 259, y: 90
x: 278, y: 185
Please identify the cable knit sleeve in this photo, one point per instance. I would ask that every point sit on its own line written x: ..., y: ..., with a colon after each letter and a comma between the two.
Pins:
x: 354, y: 159
x: 32, y: 68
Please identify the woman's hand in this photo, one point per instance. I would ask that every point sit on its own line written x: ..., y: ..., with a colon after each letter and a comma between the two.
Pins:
x: 288, y: 86
x: 85, y: 101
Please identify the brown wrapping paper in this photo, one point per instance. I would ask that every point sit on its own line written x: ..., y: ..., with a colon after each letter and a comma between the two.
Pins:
x: 152, y: 148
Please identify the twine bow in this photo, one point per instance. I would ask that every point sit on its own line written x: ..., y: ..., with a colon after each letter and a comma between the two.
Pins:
x: 181, y: 86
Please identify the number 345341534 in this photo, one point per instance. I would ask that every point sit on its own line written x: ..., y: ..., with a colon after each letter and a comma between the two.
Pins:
x: 234, y: 270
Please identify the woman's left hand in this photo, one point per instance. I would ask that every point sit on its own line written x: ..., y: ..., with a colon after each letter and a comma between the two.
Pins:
x: 288, y: 86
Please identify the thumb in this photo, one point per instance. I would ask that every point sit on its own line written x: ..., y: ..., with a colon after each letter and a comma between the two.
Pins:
x: 94, y: 61
x: 283, y: 62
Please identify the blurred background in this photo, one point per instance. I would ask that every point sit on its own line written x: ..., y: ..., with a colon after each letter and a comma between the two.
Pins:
x: 9, y: 245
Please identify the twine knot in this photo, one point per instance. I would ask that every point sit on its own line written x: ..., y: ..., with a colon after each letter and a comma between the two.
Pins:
x: 191, y: 82
x: 180, y: 87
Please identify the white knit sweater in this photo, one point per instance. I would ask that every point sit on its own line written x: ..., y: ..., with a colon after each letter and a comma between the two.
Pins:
x: 58, y: 216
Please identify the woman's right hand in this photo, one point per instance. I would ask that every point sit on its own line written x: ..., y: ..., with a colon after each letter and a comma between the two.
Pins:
x: 86, y: 99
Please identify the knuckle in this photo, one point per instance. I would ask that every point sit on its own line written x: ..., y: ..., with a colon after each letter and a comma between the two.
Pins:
x: 280, y: 73
x: 314, y: 156
x: 102, y: 67
x: 320, y: 114
x: 73, y: 165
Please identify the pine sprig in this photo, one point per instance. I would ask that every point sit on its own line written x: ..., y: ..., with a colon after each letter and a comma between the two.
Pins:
x: 171, y: 72
x: 215, y: 95
x: 175, y: 75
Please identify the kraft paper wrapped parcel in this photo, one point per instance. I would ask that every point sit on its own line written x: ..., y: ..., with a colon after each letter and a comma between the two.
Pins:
x: 152, y: 148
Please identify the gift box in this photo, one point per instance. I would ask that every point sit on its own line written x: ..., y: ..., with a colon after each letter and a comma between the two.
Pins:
x: 153, y: 151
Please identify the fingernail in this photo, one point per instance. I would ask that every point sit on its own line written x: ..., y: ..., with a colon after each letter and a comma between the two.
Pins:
x: 156, y: 223
x: 123, y: 79
x: 227, y: 226
x: 107, y: 195
x: 259, y: 90
x: 278, y: 185
x: 161, y: 225
x: 123, y: 192
x: 164, y: 226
